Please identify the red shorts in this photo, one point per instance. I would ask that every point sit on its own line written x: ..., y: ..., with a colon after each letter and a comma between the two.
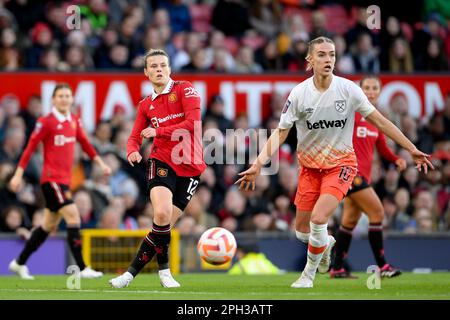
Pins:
x: 314, y: 182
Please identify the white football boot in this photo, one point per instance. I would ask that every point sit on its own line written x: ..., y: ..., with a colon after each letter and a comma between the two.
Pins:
x: 89, y: 273
x: 324, y: 264
x: 21, y: 270
x: 166, y: 279
x: 121, y: 281
x: 303, y: 282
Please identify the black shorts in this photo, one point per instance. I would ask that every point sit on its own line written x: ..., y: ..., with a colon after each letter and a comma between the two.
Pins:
x: 359, y: 183
x: 182, y: 188
x: 56, y: 195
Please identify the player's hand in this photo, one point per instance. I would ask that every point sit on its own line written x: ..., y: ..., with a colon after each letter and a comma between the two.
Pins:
x: 421, y: 160
x: 148, y: 133
x: 248, y: 178
x: 401, y: 164
x: 15, y: 183
x: 106, y: 170
x: 134, y: 157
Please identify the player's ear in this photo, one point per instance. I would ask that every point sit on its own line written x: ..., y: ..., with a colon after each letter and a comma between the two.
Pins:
x: 145, y: 72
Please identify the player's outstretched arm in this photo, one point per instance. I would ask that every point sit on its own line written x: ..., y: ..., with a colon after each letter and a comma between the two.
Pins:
x: 387, y: 154
x: 388, y: 128
x: 248, y: 177
x: 105, y: 168
x: 16, y: 180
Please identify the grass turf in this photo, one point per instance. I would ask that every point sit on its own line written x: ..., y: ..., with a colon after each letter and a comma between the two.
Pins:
x: 218, y: 286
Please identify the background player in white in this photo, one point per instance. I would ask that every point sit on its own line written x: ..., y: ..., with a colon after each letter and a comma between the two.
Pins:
x: 323, y: 108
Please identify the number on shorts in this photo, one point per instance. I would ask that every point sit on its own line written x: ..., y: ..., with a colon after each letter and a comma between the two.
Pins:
x: 345, y: 173
x: 191, y: 189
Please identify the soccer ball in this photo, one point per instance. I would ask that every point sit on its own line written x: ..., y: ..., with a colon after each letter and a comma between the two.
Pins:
x: 217, y: 246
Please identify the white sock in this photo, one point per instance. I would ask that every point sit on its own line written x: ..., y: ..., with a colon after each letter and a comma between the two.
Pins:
x: 303, y: 237
x: 318, y: 242
x: 128, y: 275
x: 164, y: 272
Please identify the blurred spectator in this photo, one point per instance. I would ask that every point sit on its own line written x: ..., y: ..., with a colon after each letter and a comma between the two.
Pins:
x: 119, y: 8
x: 77, y: 59
x: 203, y: 220
x: 13, y: 144
x: 109, y: 38
x: 10, y: 55
x: 31, y: 113
x: 423, y: 34
x: 435, y: 59
x: 293, y: 26
x: 352, y: 35
x: 180, y: 17
x: 144, y: 222
x: 96, y: 12
x: 220, y: 64
x: 344, y: 61
x: 102, y: 138
x: 51, y: 61
x: 13, y: 219
x: 245, y: 62
x: 118, y: 58
x: 231, y: 10
x: 265, y: 17
x: 99, y: 188
x: 404, y: 210
x: 217, y: 42
x: 215, y: 111
x: 400, y: 57
x: 83, y: 201
x: 387, y: 186
x: 110, y: 219
x: 294, y: 59
x: 192, y: 42
x: 365, y: 55
x: 319, y: 23
x: 388, y: 35
x: 197, y: 62
x: 269, y: 57
x: 233, y: 207
x: 42, y: 38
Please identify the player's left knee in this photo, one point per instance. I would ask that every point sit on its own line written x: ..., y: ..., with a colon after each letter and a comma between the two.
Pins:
x: 376, y: 214
x: 163, y: 213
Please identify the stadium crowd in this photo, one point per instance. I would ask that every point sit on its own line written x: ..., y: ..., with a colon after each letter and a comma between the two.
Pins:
x: 199, y: 37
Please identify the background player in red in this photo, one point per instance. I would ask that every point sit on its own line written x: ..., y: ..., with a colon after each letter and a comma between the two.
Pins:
x: 58, y: 131
x: 362, y: 197
x: 174, y: 167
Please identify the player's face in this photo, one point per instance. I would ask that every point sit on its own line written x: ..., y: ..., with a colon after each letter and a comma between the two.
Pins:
x: 323, y: 58
x: 158, y: 70
x: 372, y: 89
x: 63, y: 100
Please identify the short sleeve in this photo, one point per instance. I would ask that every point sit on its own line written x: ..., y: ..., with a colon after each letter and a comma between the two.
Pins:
x: 289, y: 114
x: 361, y: 103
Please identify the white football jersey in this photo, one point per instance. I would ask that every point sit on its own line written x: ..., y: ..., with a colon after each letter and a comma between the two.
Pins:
x: 324, y: 121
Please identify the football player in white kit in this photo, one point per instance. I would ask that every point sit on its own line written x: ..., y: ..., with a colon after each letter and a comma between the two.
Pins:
x: 323, y: 109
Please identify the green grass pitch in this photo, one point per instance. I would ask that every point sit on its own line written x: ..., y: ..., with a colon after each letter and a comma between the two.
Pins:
x: 219, y: 286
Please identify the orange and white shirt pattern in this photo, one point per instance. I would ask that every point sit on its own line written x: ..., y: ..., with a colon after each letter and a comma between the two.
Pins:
x: 324, y: 121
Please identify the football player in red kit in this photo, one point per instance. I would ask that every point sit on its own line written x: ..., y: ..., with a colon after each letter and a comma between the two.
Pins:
x: 58, y: 131
x: 361, y: 197
x: 171, y: 116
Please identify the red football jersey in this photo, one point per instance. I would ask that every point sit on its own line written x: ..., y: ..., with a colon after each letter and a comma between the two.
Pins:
x: 365, y: 137
x: 59, y: 134
x: 176, y: 116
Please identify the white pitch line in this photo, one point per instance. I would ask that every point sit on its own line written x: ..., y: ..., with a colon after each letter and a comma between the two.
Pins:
x: 214, y: 293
